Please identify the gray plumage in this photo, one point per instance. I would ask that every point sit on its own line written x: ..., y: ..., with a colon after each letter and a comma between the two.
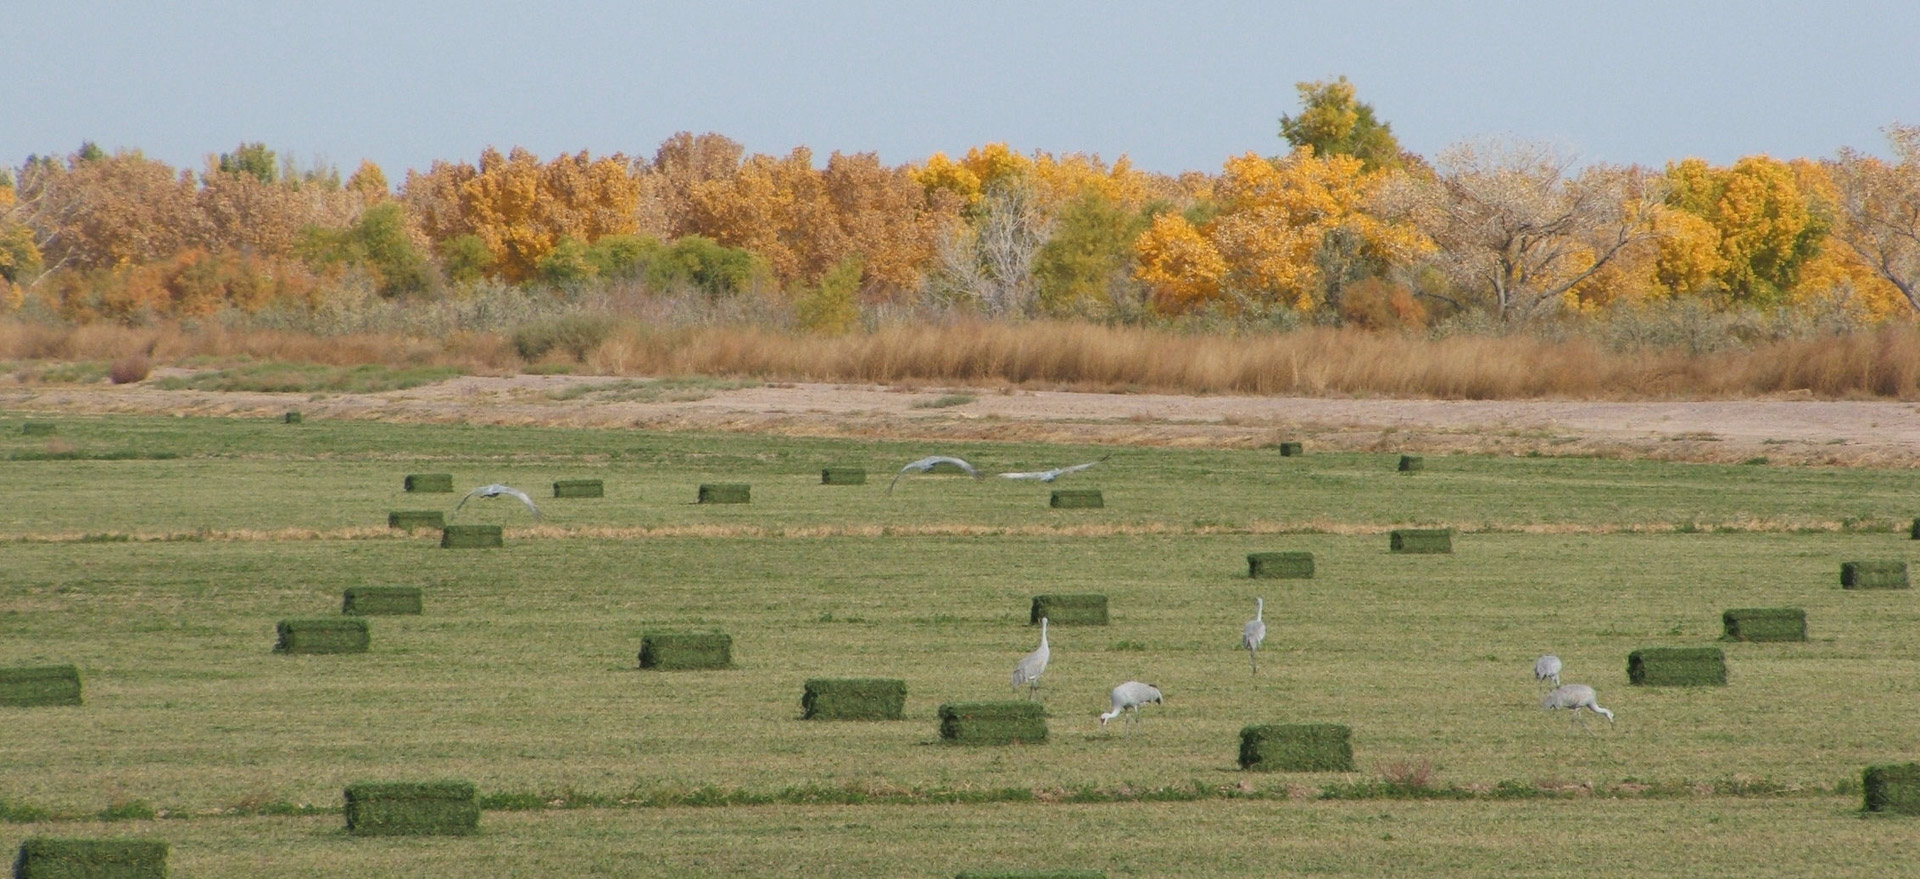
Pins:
x: 1027, y: 673
x: 496, y: 490
x: 1547, y: 668
x: 1254, y: 632
x: 925, y: 464
x: 1576, y: 697
x: 1055, y: 473
x: 1131, y: 695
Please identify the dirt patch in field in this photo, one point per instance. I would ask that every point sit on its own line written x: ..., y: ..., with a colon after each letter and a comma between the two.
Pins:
x: 1853, y: 433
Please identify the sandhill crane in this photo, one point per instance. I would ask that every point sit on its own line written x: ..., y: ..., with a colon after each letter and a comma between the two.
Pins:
x: 496, y: 490
x: 1255, y: 632
x: 1131, y: 694
x: 1576, y: 697
x: 1034, y: 664
x: 1055, y: 473
x: 925, y: 464
x: 1547, y: 668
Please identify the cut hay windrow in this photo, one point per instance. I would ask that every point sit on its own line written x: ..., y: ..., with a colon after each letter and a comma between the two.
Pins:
x: 472, y: 537
x: 1874, y: 575
x: 1077, y: 609
x: 38, y: 685
x: 993, y: 723
x: 676, y: 651
x: 843, y: 476
x: 410, y: 520
x: 1421, y: 540
x: 342, y: 634
x: 579, y: 488
x: 853, y: 699
x: 1296, y: 747
x: 39, y: 428
x: 381, y: 600
x: 42, y: 857
x: 725, y: 493
x: 1892, y: 788
x: 1029, y: 874
x: 1280, y: 565
x: 396, y: 808
x: 430, y: 482
x: 1764, y: 624
x: 1677, y: 667
x: 1076, y: 499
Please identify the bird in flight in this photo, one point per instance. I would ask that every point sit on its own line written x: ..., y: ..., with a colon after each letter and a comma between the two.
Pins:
x: 496, y: 490
x: 1055, y: 473
x: 925, y: 464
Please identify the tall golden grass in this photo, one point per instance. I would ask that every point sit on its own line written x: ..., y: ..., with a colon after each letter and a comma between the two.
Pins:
x: 1883, y: 362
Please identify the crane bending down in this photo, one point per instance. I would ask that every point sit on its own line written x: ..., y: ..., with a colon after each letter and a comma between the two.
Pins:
x: 1576, y: 697
x: 496, y: 490
x: 1131, y: 694
x: 1547, y: 668
x: 925, y: 464
x: 1055, y: 473
x: 1255, y: 632
x: 1034, y: 664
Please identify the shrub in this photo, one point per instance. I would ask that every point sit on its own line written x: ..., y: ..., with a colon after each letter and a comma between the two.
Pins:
x: 1765, y: 624
x: 1076, y: 498
x: 1069, y: 610
x: 579, y: 488
x: 1422, y: 540
x: 725, y: 493
x: 1677, y: 667
x: 577, y: 334
x: 843, y: 476
x: 1297, y: 747
x: 129, y: 369
x: 675, y: 651
x: 430, y: 482
x: 833, y: 306
x: 1280, y: 565
x: 437, y: 808
x: 1292, y: 449
x: 1892, y: 788
x: 472, y: 537
x: 1412, y: 463
x: 854, y: 699
x: 409, y: 520
x: 1874, y: 575
x: 993, y: 723
x: 31, y: 685
x: 48, y: 858
x: 371, y: 600
x: 323, y: 635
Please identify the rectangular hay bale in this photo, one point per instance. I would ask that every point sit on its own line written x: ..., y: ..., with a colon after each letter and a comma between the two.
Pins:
x: 579, y: 488
x: 1422, y: 540
x: 1076, y: 499
x: 1280, y: 565
x: 472, y: 537
x: 1892, y: 787
x: 1297, y: 747
x: 408, y: 520
x: 1292, y: 450
x: 993, y: 723
x: 323, y: 635
x: 34, y: 685
x: 1765, y: 623
x: 1412, y: 463
x: 430, y: 482
x: 412, y: 808
x: 843, y: 476
x: 853, y: 699
x: 43, y: 857
x: 1080, y: 609
x: 1874, y: 575
x: 291, y: 418
x: 1677, y: 667
x: 1914, y: 531
x: 675, y: 651
x: 372, y: 600
x: 726, y: 493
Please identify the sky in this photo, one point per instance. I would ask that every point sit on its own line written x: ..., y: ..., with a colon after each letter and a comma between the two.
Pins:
x: 1173, y: 86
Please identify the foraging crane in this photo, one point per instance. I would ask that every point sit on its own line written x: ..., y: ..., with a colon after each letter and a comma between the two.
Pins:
x: 1576, y: 697
x: 1055, y: 473
x: 1031, y: 666
x: 1131, y: 694
x: 1547, y: 668
x: 925, y: 464
x: 496, y: 490
x: 1255, y: 632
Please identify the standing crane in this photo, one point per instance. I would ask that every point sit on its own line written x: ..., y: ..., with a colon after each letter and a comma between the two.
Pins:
x: 1131, y: 695
x: 925, y: 464
x: 1547, y: 668
x: 1027, y: 673
x: 1255, y: 632
x: 1576, y: 697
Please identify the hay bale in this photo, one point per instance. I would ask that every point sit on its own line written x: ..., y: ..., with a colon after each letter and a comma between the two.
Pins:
x: 1292, y: 450
x: 323, y: 635
x: 1076, y: 499
x: 1297, y: 747
x: 1280, y: 565
x: 1085, y: 609
x: 408, y: 520
x: 43, y: 857
x: 373, y: 600
x: 726, y: 493
x: 472, y: 537
x: 1914, y: 531
x: 843, y: 476
x: 38, y: 428
x: 579, y: 488
x: 1422, y: 540
x: 291, y: 418
x: 1893, y: 787
x: 412, y: 808
x: 33, y: 685
x: 1677, y: 667
x: 1874, y: 575
x: 1765, y: 624
x: 674, y: 651
x: 854, y: 699
x: 993, y: 723
x: 430, y: 482
x: 1412, y: 463
x: 1029, y: 874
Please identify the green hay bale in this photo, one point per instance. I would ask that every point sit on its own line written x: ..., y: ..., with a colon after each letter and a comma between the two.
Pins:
x: 1422, y: 540
x: 431, y: 482
x: 38, y: 428
x: 1874, y: 575
x: 1076, y: 499
x: 726, y: 493
x: 993, y: 723
x: 34, y: 685
x: 1765, y: 624
x: 674, y: 651
x: 1292, y: 450
x: 1280, y: 565
x: 1069, y: 610
x: 372, y: 600
x: 843, y: 476
x: 1297, y: 747
x: 1893, y: 787
x: 472, y: 537
x: 409, y: 520
x: 1914, y: 531
x: 854, y: 699
x: 1677, y: 667
x: 1030, y: 874
x: 323, y: 635
x: 291, y: 418
x: 1412, y: 463
x: 403, y: 808
x: 49, y: 858
x: 579, y: 488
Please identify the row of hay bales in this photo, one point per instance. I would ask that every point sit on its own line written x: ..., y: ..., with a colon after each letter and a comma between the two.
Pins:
x: 706, y: 493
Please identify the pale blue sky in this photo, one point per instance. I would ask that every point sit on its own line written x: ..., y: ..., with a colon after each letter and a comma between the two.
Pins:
x: 1175, y: 86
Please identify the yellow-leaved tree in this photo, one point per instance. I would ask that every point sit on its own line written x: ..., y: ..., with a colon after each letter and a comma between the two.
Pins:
x: 521, y: 209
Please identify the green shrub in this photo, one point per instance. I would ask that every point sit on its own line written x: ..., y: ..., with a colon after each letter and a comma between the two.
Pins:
x: 398, y: 808
x: 372, y: 600
x: 1292, y: 450
x: 854, y: 699
x: 725, y: 493
x: 1422, y: 540
x: 32, y: 685
x: 48, y: 858
x: 843, y: 476
x: 674, y: 651
x: 1892, y: 788
x: 1280, y: 565
x: 430, y: 482
x: 323, y: 635
x: 1297, y: 747
x: 1874, y: 575
x: 1412, y: 464
x: 408, y: 520
x: 577, y: 334
x: 579, y: 488
x: 472, y: 537
x: 1084, y: 609
x: 1765, y: 624
x: 993, y: 723
x: 1677, y: 667
x: 291, y: 418
x: 1076, y: 498
x: 832, y: 306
